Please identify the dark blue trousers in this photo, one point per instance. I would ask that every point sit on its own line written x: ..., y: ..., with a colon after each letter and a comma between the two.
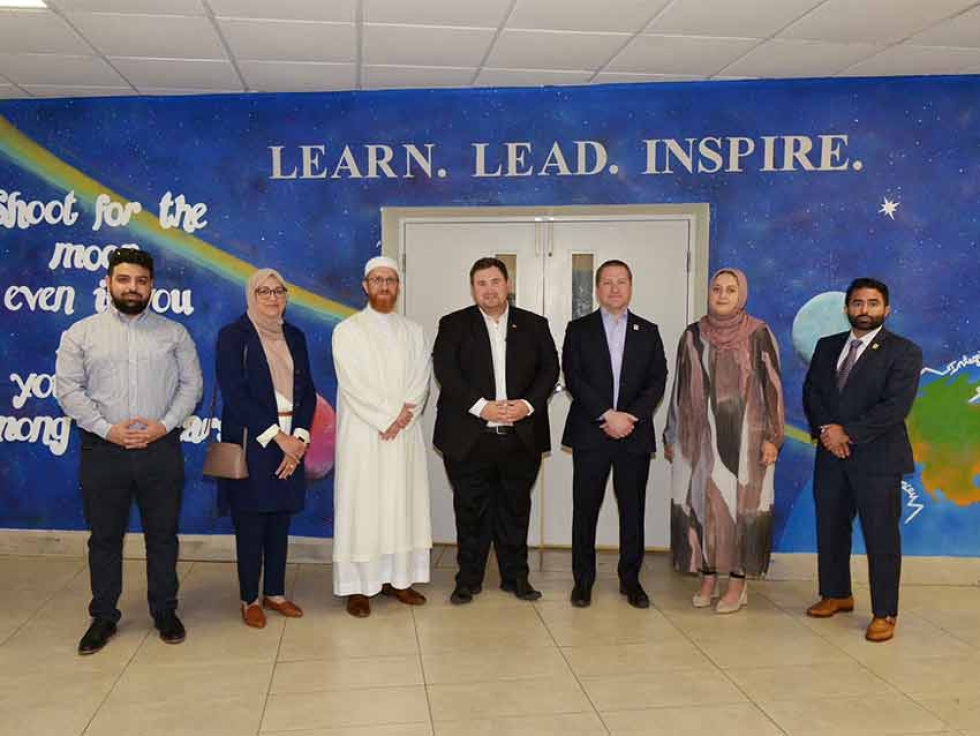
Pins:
x: 261, y: 540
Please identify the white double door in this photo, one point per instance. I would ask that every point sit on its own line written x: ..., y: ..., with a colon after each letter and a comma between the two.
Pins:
x: 552, y: 262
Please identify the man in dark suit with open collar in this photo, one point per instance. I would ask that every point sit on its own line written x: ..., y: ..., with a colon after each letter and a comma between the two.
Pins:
x: 858, y: 391
x: 496, y: 366
x: 615, y: 371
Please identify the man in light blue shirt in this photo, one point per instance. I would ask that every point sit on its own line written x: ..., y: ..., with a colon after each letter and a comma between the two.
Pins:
x: 129, y: 378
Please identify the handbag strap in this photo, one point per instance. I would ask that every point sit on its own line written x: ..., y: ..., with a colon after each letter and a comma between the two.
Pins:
x: 214, y: 401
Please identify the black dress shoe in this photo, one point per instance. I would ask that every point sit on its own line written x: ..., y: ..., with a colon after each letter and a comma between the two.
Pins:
x: 581, y: 596
x: 635, y: 596
x: 97, y: 636
x: 171, y: 629
x: 461, y: 594
x: 521, y: 588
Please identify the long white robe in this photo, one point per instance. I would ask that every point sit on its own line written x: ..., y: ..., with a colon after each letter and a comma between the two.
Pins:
x: 382, y: 528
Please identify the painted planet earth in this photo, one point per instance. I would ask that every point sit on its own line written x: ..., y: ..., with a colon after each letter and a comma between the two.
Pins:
x: 323, y: 440
x: 821, y: 316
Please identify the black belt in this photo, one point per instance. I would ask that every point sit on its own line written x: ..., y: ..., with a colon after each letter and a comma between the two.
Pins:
x: 502, y: 430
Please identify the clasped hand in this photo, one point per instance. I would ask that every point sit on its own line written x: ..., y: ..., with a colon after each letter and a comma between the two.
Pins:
x: 136, y: 433
x: 618, y: 424
x: 835, y: 440
x: 505, y: 412
x: 401, y: 421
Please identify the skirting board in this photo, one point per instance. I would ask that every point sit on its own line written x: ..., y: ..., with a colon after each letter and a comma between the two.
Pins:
x: 221, y: 548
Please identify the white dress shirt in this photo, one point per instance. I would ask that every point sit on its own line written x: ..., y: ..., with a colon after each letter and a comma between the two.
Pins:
x: 497, y: 331
x: 865, y: 341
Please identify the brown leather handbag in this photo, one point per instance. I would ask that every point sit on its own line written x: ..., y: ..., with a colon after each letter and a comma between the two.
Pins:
x: 225, y: 459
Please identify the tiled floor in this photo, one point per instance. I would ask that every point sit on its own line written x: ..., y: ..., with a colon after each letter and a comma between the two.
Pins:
x: 497, y: 666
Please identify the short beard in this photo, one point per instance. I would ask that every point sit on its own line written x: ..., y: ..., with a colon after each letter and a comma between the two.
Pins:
x: 130, y: 308
x: 873, y: 323
x: 383, y: 303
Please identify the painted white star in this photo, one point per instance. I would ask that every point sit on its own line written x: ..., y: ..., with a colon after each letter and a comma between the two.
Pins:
x: 888, y: 207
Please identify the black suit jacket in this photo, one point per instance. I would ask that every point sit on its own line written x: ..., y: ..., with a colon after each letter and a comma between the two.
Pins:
x: 463, y: 366
x: 872, y: 407
x: 249, y: 400
x: 589, y: 379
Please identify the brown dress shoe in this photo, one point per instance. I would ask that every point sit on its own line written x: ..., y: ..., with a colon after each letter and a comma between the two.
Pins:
x: 880, y: 629
x: 409, y: 596
x: 286, y: 608
x: 358, y: 605
x: 827, y: 607
x: 253, y: 616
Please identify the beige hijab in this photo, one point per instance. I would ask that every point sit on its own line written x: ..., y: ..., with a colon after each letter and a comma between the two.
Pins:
x: 270, y: 334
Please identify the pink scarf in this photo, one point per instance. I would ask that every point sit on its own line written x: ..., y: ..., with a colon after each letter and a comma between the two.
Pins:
x: 270, y: 332
x: 732, y: 331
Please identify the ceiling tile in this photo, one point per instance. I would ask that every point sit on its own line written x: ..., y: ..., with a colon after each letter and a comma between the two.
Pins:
x: 686, y: 55
x: 265, y: 40
x: 783, y: 58
x: 573, y: 50
x: 908, y: 59
x: 425, y: 45
x: 964, y: 30
x: 183, y: 73
x: 290, y: 76
x: 629, y: 16
x: 54, y: 90
x: 482, y: 14
x: 744, y: 19
x: 530, y: 77
x: 38, y: 31
x: 89, y: 71
x: 872, y: 21
x: 397, y: 77
x: 334, y: 10
x: 630, y: 78
x: 154, y: 36
x: 171, y: 7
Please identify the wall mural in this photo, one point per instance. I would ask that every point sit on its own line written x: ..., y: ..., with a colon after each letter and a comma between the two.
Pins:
x: 810, y: 183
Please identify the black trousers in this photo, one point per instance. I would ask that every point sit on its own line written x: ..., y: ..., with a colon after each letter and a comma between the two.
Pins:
x: 591, y: 471
x: 492, y: 501
x: 261, y: 540
x: 839, y: 493
x: 110, y: 477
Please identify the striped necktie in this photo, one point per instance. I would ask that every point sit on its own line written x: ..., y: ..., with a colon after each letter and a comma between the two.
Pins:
x: 848, y: 364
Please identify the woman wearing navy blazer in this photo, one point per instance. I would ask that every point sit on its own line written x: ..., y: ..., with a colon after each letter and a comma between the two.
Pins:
x: 266, y: 388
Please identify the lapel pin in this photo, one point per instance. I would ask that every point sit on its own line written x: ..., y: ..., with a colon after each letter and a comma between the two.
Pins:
x: 636, y: 328
x: 874, y: 346
x: 513, y: 327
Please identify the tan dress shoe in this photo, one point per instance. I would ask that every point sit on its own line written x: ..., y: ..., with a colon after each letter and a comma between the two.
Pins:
x: 827, y: 607
x: 358, y: 605
x: 881, y: 629
x: 253, y: 616
x: 286, y: 608
x: 409, y: 596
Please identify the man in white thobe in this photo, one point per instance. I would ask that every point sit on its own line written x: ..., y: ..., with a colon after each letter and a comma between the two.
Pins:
x: 382, y: 531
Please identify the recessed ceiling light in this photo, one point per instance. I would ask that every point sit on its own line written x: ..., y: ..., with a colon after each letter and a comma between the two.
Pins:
x: 23, y: 4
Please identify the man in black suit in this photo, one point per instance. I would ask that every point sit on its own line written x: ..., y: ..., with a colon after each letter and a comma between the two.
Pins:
x: 616, y: 372
x: 496, y: 366
x: 857, y: 393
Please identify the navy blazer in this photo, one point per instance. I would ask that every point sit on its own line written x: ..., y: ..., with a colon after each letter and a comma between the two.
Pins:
x: 872, y: 408
x: 463, y: 365
x: 249, y: 400
x: 588, y: 377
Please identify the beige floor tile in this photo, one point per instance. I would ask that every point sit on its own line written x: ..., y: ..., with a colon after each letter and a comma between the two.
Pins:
x: 915, y: 638
x: 221, y: 717
x: 512, y: 664
x: 346, y: 674
x: 613, y: 622
x: 959, y: 712
x: 810, y: 682
x: 572, y: 724
x: 344, y: 708
x: 477, y: 701
x: 932, y: 677
x: 660, y: 689
x: 886, y: 714
x: 344, y: 637
x: 726, y: 720
x: 51, y: 702
x: 395, y: 729
x: 759, y: 649
x: 706, y: 625
x: 215, y: 639
x: 469, y: 628
x: 673, y: 652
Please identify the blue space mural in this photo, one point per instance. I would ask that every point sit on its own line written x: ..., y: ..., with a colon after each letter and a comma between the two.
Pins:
x: 810, y: 183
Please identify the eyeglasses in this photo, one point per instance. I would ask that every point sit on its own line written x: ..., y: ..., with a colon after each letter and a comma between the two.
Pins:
x: 383, y: 280
x: 266, y: 293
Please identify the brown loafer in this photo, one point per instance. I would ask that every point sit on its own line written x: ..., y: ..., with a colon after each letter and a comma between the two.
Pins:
x: 286, y: 608
x: 409, y: 596
x: 253, y: 616
x: 358, y: 605
x: 880, y: 629
x: 827, y: 607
